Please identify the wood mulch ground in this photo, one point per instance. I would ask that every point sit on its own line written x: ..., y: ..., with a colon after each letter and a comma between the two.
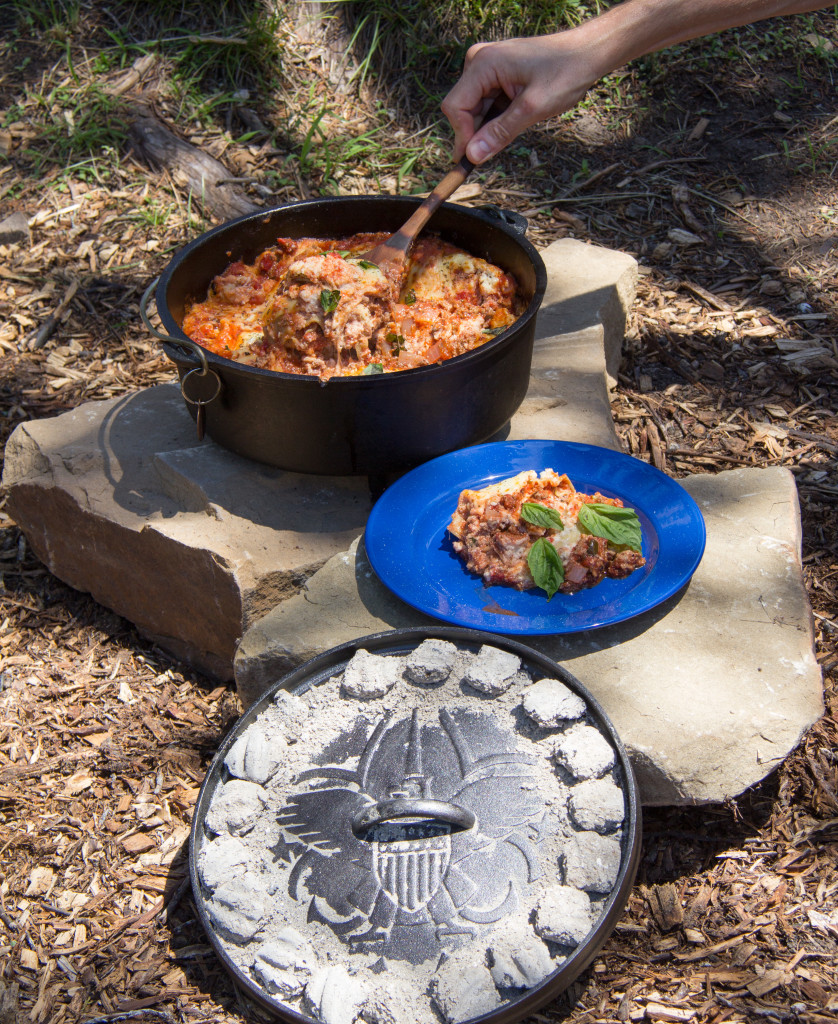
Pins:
x: 731, y: 360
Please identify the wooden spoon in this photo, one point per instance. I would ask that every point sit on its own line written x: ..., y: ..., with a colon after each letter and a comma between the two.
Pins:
x: 391, y: 255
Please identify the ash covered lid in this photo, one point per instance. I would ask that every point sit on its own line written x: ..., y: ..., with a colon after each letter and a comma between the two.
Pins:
x: 421, y: 825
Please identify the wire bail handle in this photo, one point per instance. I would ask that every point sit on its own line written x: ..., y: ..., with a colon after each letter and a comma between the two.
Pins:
x: 200, y: 403
x: 193, y: 349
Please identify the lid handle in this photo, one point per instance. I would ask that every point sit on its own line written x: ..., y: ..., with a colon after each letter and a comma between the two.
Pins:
x: 406, y: 807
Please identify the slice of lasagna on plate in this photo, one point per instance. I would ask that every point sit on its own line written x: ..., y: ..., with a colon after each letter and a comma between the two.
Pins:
x: 536, y: 530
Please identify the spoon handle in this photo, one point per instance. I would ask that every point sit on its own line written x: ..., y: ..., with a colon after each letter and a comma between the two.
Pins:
x: 401, y: 240
x: 390, y: 255
x: 420, y: 216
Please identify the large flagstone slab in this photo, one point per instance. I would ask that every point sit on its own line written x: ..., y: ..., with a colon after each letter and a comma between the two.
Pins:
x: 709, y: 692
x: 184, y: 539
x: 192, y: 543
x: 211, y: 554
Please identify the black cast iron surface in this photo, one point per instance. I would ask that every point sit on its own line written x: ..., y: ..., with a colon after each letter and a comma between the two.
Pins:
x: 413, y: 883
x: 415, y: 784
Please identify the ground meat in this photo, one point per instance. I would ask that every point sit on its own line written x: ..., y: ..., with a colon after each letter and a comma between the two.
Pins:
x: 623, y: 563
x: 327, y: 306
x: 586, y: 566
x: 240, y: 285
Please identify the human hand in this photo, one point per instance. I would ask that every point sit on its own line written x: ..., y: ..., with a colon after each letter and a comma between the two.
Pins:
x: 541, y: 76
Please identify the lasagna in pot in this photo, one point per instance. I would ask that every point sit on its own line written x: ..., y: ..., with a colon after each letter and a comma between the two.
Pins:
x: 536, y: 530
x: 315, y: 306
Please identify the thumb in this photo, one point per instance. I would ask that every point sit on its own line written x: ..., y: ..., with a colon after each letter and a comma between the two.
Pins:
x: 493, y: 136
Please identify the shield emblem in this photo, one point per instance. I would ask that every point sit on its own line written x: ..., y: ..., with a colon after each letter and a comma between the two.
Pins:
x: 411, y: 872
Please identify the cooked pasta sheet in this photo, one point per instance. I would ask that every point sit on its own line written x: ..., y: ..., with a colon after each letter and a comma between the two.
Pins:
x: 315, y: 306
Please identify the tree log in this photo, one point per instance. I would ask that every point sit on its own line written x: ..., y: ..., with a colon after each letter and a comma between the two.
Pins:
x: 190, y: 167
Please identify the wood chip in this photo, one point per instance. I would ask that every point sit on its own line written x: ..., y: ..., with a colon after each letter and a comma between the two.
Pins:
x: 138, y: 843
x: 657, y: 1011
x: 665, y: 905
x: 29, y: 959
x: 78, y: 782
x: 768, y: 982
x: 41, y: 881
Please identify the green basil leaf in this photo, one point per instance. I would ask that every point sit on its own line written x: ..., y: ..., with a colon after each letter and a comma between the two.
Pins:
x: 337, y: 252
x: 619, y: 526
x: 366, y: 265
x: 371, y: 368
x: 396, y: 343
x: 410, y: 297
x: 545, y: 566
x: 494, y: 331
x: 541, y: 515
x: 329, y: 299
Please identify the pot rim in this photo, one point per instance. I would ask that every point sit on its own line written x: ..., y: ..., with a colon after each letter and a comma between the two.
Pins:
x: 475, y: 355
x: 301, y: 678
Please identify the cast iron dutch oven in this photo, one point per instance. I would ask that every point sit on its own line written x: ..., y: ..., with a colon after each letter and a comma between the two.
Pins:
x: 368, y: 425
x: 454, y: 778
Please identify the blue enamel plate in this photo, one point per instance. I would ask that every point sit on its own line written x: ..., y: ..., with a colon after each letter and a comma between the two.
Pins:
x: 411, y: 551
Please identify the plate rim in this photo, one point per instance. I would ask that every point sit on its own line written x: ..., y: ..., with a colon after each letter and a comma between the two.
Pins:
x: 506, y: 451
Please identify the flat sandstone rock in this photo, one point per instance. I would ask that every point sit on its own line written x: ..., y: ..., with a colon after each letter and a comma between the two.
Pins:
x: 709, y: 691
x: 232, y: 566
x: 192, y: 543
x: 186, y: 540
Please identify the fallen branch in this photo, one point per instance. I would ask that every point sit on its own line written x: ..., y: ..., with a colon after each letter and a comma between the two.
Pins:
x: 206, y: 178
x: 47, y: 328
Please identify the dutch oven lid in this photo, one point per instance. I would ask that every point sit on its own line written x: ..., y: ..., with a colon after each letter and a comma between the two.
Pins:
x: 418, y: 825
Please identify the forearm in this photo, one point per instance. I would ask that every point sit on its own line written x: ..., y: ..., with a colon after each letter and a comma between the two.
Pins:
x: 637, y: 27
